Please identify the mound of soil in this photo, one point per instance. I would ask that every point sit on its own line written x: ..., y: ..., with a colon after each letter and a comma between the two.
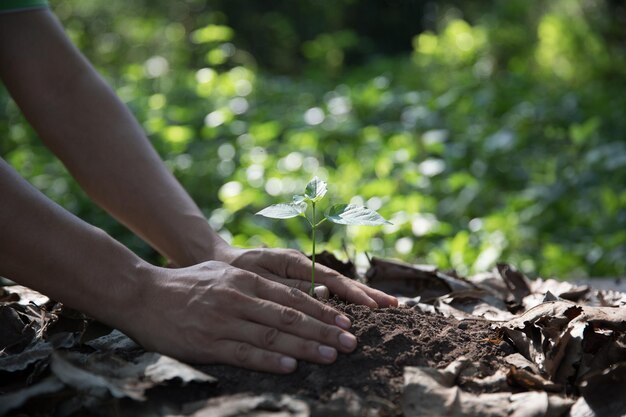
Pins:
x: 389, y: 339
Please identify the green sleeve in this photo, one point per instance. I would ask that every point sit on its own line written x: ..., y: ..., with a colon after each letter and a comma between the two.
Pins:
x: 15, y: 5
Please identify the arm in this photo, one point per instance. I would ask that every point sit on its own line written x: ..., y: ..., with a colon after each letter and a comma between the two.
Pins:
x: 207, y: 313
x: 82, y: 121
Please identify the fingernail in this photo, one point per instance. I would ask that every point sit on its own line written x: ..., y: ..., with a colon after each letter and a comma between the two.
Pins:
x: 343, y: 321
x: 327, y: 352
x: 287, y: 363
x: 347, y: 340
x: 322, y: 292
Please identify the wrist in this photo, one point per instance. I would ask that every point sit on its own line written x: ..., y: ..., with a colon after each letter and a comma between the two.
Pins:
x: 107, y: 286
x: 198, y: 244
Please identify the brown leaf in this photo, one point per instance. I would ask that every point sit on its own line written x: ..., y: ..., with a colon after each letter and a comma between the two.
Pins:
x: 114, y: 341
x: 531, y: 381
x: 13, y: 400
x: 556, y: 336
x: 520, y: 362
x: 602, y: 393
x: 23, y: 295
x: 347, y: 269
x: 427, y: 393
x: 248, y: 405
x: 101, y: 374
x: 37, y: 351
x: 517, y: 283
x: 15, y: 333
x: 398, y: 278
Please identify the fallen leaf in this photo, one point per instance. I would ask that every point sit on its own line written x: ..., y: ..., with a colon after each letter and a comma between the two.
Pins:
x: 346, y: 269
x: 15, y: 333
x: 531, y: 381
x: 16, y: 399
x: 39, y: 350
x: 343, y: 403
x: 413, y: 280
x: 427, y: 393
x: 25, y: 295
x: 116, y: 340
x: 602, y: 393
x: 521, y: 362
x: 104, y: 373
x: 265, y: 405
x: 517, y: 283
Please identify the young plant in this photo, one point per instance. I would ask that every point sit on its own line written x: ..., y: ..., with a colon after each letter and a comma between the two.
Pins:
x: 346, y: 214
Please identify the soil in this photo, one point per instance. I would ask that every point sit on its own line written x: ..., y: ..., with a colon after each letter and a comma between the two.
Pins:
x: 369, y: 382
x: 389, y: 339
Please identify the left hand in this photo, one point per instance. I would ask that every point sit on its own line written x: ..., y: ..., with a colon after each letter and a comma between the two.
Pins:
x: 292, y: 268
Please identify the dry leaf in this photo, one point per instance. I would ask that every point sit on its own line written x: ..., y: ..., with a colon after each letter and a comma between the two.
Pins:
x: 266, y: 405
x: 602, y: 393
x: 100, y: 374
x: 16, y: 399
x: 399, y: 278
x: 517, y: 283
x: 37, y: 351
x: 116, y: 340
x: 24, y: 295
x: 427, y: 393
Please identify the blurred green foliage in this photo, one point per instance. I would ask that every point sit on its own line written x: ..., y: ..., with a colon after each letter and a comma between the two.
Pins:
x: 484, y: 130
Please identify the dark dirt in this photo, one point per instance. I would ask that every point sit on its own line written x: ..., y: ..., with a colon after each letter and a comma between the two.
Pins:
x: 389, y: 339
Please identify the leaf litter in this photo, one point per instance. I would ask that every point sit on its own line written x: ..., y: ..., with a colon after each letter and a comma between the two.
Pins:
x: 494, y: 344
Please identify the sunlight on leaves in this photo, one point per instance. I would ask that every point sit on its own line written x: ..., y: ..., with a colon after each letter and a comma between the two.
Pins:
x: 315, y: 190
x: 350, y: 214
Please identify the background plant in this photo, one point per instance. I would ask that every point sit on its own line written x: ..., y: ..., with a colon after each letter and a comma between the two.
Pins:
x: 482, y: 130
x: 346, y: 214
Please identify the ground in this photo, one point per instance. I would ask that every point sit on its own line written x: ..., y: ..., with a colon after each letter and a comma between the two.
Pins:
x: 496, y: 344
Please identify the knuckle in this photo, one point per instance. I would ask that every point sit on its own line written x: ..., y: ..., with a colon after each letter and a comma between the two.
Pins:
x: 269, y: 337
x: 325, y: 332
x: 270, y: 358
x: 243, y: 351
x: 293, y: 252
x: 295, y: 293
x: 329, y: 314
x: 231, y: 295
x: 290, y: 316
x: 253, y: 280
x: 309, y: 348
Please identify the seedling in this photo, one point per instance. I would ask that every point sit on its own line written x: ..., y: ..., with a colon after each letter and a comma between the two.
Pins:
x: 346, y: 214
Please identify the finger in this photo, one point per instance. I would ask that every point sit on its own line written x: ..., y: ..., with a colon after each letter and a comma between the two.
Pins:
x: 299, y: 266
x: 257, y: 287
x: 245, y: 355
x: 291, y: 320
x: 381, y: 298
x: 294, y: 312
x: 330, y: 278
x: 346, y: 288
x: 321, y: 291
x: 274, y: 340
x: 292, y: 297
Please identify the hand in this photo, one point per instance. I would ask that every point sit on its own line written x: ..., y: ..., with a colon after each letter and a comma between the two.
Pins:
x: 216, y: 313
x: 293, y: 269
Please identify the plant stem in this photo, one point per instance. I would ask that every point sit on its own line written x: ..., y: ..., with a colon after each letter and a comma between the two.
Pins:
x: 313, y: 226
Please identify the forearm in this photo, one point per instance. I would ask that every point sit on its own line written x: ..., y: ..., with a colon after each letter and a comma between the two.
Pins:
x: 46, y: 248
x: 83, y: 122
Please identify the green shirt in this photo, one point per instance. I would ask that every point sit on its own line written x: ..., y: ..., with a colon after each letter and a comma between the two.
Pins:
x: 16, y: 5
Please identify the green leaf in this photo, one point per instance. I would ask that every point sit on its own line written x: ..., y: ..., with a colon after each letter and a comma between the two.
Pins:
x: 283, y: 211
x: 315, y: 190
x: 350, y: 214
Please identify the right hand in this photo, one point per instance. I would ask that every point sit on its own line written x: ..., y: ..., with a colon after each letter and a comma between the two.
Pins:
x: 215, y: 313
